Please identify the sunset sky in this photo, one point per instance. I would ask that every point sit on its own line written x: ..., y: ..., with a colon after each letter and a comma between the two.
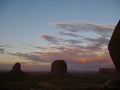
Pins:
x: 37, y: 32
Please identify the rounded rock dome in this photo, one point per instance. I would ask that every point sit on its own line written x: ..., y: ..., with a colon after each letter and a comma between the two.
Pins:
x: 59, y: 66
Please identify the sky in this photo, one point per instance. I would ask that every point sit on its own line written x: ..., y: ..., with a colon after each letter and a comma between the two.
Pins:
x: 37, y: 32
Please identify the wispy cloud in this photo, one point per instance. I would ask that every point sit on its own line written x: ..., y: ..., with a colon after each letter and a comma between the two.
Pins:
x: 85, y: 49
x: 40, y: 47
x: 55, y: 40
x: 2, y: 51
x: 29, y: 56
x: 97, y: 43
x: 3, y: 48
x: 69, y: 34
x: 85, y: 26
x: 78, y: 55
x: 51, y: 38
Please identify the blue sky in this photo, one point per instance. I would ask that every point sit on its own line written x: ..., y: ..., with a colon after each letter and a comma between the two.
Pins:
x: 29, y: 27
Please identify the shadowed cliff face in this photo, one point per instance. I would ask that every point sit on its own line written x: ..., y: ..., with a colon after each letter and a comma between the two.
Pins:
x: 114, y: 47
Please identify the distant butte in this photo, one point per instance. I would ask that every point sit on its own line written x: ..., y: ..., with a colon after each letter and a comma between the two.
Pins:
x: 59, y: 69
x: 16, y: 70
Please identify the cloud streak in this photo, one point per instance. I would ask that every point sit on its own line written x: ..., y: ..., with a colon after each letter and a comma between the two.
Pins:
x: 55, y: 40
x: 51, y: 38
x: 102, y: 29
x: 86, y: 34
x: 83, y: 47
x: 79, y: 56
x: 3, y: 48
x: 29, y: 56
x: 2, y: 51
x: 69, y: 34
x: 78, y: 26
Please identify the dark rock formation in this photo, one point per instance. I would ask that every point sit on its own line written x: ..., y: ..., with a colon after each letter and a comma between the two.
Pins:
x: 59, y: 66
x: 16, y: 67
x: 16, y: 70
x: 114, y: 47
x: 107, y: 70
x: 59, y: 69
x: 114, y: 50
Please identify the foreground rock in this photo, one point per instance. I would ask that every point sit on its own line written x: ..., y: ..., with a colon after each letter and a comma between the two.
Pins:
x: 114, y: 50
x: 112, y: 84
x: 114, y: 47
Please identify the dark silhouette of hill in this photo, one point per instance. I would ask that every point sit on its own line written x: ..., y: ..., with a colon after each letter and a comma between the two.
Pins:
x: 15, y: 74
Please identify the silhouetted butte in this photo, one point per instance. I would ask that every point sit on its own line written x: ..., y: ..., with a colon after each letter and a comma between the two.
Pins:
x: 59, y: 69
x: 16, y: 70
